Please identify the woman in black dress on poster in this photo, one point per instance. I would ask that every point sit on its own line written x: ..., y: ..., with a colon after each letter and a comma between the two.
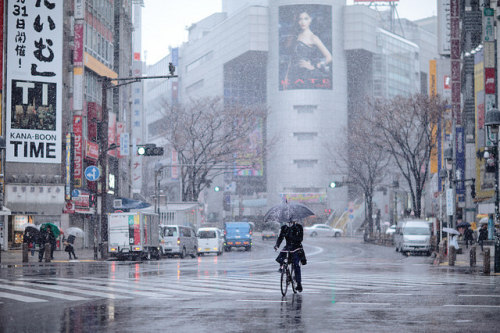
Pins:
x: 310, y: 59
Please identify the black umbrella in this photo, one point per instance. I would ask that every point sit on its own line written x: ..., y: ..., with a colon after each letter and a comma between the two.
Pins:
x: 463, y: 225
x: 31, y: 234
x: 287, y: 211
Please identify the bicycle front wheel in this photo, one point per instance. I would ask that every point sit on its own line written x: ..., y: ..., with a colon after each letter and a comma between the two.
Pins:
x: 284, y: 282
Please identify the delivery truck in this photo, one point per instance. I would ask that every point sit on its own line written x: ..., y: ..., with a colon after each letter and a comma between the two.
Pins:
x: 133, y: 235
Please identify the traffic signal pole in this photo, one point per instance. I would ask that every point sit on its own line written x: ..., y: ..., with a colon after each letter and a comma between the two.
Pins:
x: 107, y: 83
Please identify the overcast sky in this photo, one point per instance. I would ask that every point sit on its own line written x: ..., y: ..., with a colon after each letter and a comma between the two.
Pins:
x: 164, y: 23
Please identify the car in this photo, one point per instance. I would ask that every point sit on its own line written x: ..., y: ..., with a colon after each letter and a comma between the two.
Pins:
x: 270, y: 231
x: 322, y: 230
x: 178, y: 240
x: 390, y: 231
x: 210, y: 240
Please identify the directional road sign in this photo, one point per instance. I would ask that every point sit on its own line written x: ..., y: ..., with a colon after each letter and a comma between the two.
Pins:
x: 92, y: 173
x: 75, y: 193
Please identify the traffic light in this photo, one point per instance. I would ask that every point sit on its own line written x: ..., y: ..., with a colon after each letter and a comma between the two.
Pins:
x: 216, y: 189
x: 473, y: 189
x: 226, y: 203
x: 150, y: 149
x: 333, y: 184
x: 171, y: 68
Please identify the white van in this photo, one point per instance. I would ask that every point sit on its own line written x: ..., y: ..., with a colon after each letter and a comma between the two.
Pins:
x: 178, y: 240
x: 210, y: 240
x: 413, y: 236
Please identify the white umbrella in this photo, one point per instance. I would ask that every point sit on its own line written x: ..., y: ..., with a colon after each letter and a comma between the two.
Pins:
x: 484, y: 220
x: 75, y: 231
x: 451, y: 231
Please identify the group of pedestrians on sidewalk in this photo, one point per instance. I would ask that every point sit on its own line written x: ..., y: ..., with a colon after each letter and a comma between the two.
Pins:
x: 46, y: 236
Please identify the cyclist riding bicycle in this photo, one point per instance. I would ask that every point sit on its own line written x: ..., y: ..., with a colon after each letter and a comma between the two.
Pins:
x: 293, y: 233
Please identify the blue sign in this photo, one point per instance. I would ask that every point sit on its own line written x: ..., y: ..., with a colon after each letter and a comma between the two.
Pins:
x: 92, y: 173
x: 75, y: 193
x: 175, y: 56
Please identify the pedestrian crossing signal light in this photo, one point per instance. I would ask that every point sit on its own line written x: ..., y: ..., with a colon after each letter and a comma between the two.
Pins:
x: 150, y: 149
x: 333, y: 185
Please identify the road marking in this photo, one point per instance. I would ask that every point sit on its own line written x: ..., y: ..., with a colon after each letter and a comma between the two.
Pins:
x: 392, y: 294
x: 260, y: 301
x: 472, y: 305
x: 85, y: 284
x: 21, y: 298
x: 362, y: 303
x: 42, y: 292
x: 478, y: 295
x: 75, y: 290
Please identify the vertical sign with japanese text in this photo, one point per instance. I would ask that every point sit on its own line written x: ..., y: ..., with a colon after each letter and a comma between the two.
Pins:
x: 34, y: 81
x: 78, y: 154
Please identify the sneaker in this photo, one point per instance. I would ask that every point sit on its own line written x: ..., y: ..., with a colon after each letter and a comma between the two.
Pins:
x: 299, y: 287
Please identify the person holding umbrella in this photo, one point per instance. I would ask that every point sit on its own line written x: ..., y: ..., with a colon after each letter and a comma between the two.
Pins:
x: 69, y: 246
x: 293, y: 233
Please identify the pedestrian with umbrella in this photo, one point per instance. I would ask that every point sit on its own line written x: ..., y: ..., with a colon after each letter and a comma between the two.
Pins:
x: 30, y: 237
x: 72, y: 232
x: 50, y: 232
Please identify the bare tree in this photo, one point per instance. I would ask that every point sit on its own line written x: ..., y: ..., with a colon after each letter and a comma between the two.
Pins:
x: 407, y: 125
x: 363, y: 162
x: 208, y: 136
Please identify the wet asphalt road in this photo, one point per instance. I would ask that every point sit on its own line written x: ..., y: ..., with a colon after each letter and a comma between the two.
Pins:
x: 349, y: 286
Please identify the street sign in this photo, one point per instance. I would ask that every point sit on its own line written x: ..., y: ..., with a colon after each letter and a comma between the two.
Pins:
x: 75, y: 193
x: 449, y: 202
x: 92, y: 173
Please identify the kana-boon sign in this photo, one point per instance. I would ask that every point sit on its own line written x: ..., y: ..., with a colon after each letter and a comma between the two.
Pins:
x: 34, y: 80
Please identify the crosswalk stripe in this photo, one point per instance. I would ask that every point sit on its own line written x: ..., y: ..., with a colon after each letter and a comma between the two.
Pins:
x: 75, y: 290
x: 42, y: 293
x: 80, y: 283
x: 21, y: 298
x: 160, y: 288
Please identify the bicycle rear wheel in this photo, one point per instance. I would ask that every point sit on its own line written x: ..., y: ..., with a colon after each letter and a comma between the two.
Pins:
x: 284, y: 281
x: 292, y: 279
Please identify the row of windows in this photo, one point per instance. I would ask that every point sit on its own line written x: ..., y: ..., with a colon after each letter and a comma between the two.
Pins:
x: 103, y: 10
x: 98, y: 46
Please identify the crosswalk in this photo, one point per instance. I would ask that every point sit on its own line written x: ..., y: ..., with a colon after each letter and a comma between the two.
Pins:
x: 32, y: 290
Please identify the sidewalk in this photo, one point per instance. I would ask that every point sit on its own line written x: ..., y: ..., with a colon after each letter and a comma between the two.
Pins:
x: 11, y: 257
x: 462, y: 262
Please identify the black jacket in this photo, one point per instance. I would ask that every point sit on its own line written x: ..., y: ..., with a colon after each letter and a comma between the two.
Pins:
x: 293, y: 236
x: 483, y: 234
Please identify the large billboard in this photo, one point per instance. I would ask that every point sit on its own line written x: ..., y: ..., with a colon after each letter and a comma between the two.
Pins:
x: 305, y: 47
x: 34, y: 81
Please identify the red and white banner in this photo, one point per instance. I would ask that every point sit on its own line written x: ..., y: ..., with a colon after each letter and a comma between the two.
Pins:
x: 91, y: 150
x: 78, y: 155
x: 112, y: 132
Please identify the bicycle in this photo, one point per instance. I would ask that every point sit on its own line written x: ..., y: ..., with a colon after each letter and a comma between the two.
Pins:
x: 288, y: 273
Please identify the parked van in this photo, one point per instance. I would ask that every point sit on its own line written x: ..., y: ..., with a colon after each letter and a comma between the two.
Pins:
x: 237, y: 234
x: 210, y: 240
x: 413, y: 236
x: 178, y: 240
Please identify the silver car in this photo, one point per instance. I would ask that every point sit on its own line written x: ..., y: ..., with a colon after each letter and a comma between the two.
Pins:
x: 322, y: 230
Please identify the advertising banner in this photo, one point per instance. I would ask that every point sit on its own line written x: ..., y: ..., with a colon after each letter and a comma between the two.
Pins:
x: 69, y: 169
x: 460, y: 162
x: 34, y: 81
x: 91, y: 150
x: 444, y: 31
x: 78, y: 158
x: 305, y: 46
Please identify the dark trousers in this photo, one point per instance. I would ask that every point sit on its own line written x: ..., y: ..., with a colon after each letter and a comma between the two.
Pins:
x: 296, y: 263
x: 71, y: 251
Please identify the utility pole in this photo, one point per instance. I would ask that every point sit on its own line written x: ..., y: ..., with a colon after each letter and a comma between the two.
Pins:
x: 107, y: 83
